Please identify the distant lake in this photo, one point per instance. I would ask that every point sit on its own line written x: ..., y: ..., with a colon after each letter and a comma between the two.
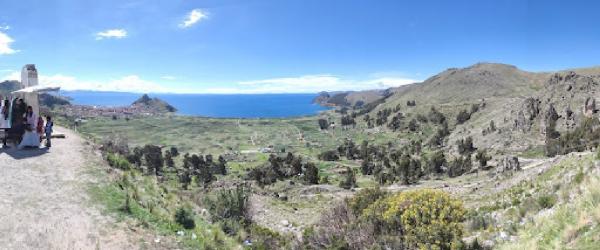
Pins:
x: 212, y: 105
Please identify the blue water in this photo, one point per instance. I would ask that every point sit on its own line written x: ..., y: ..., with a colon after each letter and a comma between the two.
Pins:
x: 212, y: 105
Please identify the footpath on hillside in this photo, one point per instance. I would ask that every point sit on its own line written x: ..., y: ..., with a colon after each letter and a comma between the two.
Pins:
x: 44, y: 203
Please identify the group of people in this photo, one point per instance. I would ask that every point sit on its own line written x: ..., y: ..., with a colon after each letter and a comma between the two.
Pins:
x: 25, y: 126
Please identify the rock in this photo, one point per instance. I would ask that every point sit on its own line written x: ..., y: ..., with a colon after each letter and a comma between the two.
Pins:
x: 589, y: 108
x: 530, y: 109
x: 285, y: 223
x: 508, y: 163
x: 157, y: 240
x: 194, y: 236
x: 503, y: 235
x: 180, y: 233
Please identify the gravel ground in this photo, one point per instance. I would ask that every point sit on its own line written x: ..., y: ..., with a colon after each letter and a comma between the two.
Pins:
x: 43, y: 203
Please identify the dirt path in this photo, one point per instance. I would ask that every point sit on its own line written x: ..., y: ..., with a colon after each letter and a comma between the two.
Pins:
x: 44, y: 204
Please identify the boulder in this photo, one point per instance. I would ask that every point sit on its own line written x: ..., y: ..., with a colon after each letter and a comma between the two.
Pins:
x: 508, y: 163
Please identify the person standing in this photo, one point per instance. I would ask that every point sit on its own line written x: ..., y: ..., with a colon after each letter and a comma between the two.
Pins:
x: 31, y: 137
x: 48, y: 130
x: 40, y: 127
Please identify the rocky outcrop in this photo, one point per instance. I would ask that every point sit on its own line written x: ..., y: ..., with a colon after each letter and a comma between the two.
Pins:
x: 589, y: 108
x: 530, y: 109
x: 153, y: 104
x: 508, y: 164
x: 321, y: 98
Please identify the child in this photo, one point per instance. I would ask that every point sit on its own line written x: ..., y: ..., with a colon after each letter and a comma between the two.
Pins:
x: 40, y: 128
x: 48, y: 130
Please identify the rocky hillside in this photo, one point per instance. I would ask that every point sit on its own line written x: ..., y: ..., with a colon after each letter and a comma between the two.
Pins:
x: 350, y: 98
x: 153, y: 103
x: 9, y: 86
x: 517, y: 102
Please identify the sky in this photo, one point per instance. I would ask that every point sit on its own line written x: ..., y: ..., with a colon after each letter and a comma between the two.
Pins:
x: 285, y: 46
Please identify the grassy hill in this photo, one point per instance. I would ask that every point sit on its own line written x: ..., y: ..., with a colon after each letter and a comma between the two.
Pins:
x: 480, y: 134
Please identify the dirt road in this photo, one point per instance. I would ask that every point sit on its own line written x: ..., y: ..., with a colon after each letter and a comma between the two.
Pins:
x: 43, y: 200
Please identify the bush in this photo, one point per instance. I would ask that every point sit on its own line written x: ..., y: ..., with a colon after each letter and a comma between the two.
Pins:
x: 465, y: 146
x: 117, y: 161
x: 349, y: 179
x: 185, y: 218
x: 482, y: 158
x: 462, y: 117
x: 364, y: 198
x: 311, y: 173
x: 429, y: 219
x: 229, y: 203
x: 546, y: 201
x: 436, y: 117
x: 436, y: 162
x: 330, y: 155
x: 264, y: 238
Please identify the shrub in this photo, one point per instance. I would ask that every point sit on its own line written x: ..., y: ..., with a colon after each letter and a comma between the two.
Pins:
x: 482, y: 157
x: 546, y: 201
x: 364, y: 198
x: 462, y: 117
x: 349, y: 179
x: 117, y: 161
x: 465, y: 146
x: 323, y: 124
x: 429, y: 219
x: 264, y: 238
x: 229, y: 203
x: 185, y: 218
x: 329, y: 155
x: 437, y: 161
x: 311, y: 173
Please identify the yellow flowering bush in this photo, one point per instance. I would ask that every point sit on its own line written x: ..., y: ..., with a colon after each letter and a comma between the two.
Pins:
x: 425, y: 219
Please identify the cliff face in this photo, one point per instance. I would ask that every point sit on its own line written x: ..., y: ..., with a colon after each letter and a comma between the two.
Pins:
x: 154, y: 104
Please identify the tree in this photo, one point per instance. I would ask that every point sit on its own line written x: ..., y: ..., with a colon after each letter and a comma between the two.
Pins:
x: 329, y: 155
x: 465, y: 146
x: 437, y: 161
x: 311, y: 173
x: 185, y: 217
x: 154, y: 160
x: 349, y: 179
x: 482, y: 157
x: 174, y: 151
x: 323, y: 124
x: 296, y: 166
x: 185, y: 178
x: 412, y: 125
x: 436, y: 117
x: 460, y: 166
x: 366, y: 167
x: 169, y: 160
x: 222, y: 166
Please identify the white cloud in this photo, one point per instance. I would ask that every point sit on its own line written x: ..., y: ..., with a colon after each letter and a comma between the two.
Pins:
x: 12, y: 75
x: 5, y: 42
x: 313, y: 84
x: 196, y: 15
x: 301, y: 84
x: 4, y: 27
x: 130, y: 83
x: 168, y: 78
x: 112, y: 33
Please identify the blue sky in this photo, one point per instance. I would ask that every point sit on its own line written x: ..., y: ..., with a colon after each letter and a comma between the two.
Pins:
x: 254, y: 46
